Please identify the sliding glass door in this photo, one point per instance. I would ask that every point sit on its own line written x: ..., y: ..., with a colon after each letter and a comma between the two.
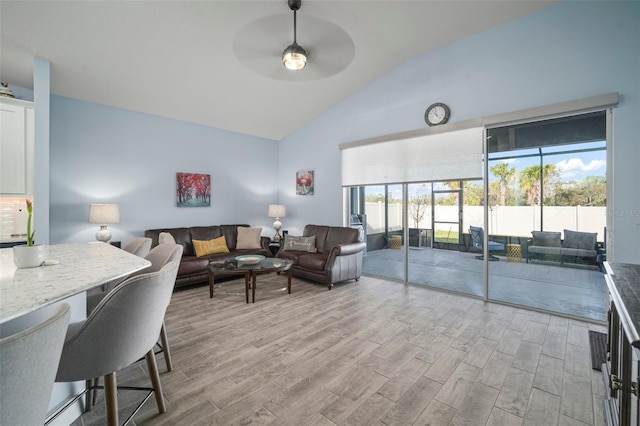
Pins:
x: 531, y: 233
x: 547, y: 192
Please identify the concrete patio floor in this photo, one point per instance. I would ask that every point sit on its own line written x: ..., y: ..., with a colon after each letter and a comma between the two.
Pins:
x: 572, y: 290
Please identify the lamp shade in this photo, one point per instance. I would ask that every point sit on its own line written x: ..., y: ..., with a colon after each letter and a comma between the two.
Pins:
x: 277, y: 210
x: 103, y: 214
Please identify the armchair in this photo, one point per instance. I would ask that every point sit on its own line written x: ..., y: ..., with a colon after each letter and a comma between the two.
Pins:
x: 477, y: 241
x: 335, y: 257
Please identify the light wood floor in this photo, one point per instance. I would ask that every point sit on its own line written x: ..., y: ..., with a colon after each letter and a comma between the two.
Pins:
x: 371, y: 352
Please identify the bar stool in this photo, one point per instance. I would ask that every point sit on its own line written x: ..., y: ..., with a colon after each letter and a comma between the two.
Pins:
x: 123, y: 328
x: 29, y: 361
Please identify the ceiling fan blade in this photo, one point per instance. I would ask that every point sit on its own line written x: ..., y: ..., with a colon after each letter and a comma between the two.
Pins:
x: 259, y: 46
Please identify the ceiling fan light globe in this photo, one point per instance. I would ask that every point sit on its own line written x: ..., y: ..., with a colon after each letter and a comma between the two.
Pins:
x: 294, y: 57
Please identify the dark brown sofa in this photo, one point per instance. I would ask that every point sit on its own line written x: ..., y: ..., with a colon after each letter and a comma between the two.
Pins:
x: 193, y: 269
x: 338, y: 255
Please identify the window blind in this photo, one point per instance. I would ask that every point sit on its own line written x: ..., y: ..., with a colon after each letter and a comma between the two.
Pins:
x: 447, y: 155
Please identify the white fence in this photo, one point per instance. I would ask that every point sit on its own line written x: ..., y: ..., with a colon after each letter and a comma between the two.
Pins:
x: 503, y: 220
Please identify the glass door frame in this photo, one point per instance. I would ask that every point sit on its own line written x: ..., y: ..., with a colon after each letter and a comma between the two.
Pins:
x: 459, y: 192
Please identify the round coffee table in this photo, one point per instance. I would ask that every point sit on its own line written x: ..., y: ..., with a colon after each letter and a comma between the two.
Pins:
x: 250, y: 271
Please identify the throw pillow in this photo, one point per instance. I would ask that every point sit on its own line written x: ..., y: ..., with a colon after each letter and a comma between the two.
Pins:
x: 300, y: 243
x: 215, y: 246
x: 166, y: 238
x: 248, y: 238
x: 545, y: 239
x: 579, y: 240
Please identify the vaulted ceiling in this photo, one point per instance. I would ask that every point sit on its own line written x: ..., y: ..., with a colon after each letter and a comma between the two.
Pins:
x: 218, y: 63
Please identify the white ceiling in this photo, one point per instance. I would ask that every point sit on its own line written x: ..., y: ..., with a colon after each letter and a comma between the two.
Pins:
x: 195, y: 60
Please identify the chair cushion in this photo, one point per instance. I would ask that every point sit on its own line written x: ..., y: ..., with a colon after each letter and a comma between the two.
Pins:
x: 579, y: 240
x: 248, y: 238
x: 495, y: 246
x: 546, y: 239
x: 300, y: 243
x: 214, y: 246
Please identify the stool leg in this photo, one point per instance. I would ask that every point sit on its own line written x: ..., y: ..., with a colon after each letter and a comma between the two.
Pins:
x: 155, y: 380
x: 165, y: 347
x: 89, y: 396
x: 111, y: 397
x: 96, y: 382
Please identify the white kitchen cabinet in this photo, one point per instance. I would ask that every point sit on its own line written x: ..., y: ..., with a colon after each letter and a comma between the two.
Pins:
x: 16, y: 147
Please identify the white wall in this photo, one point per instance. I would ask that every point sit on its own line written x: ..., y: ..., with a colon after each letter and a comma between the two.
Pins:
x: 503, y: 220
x: 104, y: 154
x: 568, y: 51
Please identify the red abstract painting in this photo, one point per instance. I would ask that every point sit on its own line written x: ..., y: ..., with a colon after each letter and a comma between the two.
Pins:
x: 193, y: 190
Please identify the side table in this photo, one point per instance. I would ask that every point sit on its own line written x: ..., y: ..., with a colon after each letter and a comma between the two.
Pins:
x: 514, y: 253
x: 274, y: 247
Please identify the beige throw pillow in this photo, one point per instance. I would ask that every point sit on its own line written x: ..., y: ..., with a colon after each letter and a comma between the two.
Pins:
x: 248, y: 238
x: 166, y: 238
x: 300, y: 243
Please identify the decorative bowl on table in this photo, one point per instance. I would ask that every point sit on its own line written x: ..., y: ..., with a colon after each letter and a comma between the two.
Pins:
x: 250, y: 259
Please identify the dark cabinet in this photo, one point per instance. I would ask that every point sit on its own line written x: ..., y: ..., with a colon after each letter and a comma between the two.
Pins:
x: 621, y: 371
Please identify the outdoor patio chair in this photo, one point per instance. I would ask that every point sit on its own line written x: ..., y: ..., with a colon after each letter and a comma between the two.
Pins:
x: 477, y: 241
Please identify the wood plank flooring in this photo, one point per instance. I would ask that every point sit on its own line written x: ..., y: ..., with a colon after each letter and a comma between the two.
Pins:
x: 372, y: 352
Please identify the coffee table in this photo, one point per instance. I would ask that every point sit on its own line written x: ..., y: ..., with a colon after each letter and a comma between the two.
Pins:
x: 250, y: 271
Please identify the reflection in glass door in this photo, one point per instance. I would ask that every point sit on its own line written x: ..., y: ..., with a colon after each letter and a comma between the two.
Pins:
x: 441, y: 260
x: 385, y: 231
x: 446, y: 213
x: 550, y: 178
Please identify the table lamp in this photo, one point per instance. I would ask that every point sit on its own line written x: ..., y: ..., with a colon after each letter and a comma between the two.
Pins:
x: 104, y: 214
x: 277, y: 211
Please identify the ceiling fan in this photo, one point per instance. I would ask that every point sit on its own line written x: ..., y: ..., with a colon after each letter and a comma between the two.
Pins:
x: 328, y: 49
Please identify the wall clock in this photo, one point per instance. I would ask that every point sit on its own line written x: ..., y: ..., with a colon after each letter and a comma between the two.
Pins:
x: 436, y: 114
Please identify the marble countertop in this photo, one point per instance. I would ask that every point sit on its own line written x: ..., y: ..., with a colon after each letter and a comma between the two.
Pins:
x: 81, y: 266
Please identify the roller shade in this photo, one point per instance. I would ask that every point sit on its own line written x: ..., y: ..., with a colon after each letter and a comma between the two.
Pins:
x: 449, y: 155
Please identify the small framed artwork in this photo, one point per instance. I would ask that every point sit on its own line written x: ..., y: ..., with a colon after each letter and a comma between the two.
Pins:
x: 304, y: 182
x: 193, y: 190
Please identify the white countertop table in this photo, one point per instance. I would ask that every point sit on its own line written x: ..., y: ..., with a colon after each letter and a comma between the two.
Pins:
x: 82, y: 266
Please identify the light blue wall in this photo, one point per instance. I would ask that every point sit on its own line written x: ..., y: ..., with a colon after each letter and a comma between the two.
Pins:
x: 566, y: 52
x: 101, y: 154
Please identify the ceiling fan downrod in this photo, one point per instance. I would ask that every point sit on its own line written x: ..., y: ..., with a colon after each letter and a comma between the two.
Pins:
x: 294, y: 56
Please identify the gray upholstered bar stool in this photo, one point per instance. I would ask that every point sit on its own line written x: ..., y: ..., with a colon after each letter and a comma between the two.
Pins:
x: 159, y: 256
x: 123, y: 328
x: 140, y: 246
x: 28, y: 364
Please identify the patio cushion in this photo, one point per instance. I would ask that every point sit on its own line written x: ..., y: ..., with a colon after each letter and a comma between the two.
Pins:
x: 579, y: 240
x: 545, y: 250
x: 546, y: 239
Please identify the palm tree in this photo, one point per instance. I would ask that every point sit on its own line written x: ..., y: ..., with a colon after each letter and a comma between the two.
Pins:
x: 531, y: 179
x: 505, y: 175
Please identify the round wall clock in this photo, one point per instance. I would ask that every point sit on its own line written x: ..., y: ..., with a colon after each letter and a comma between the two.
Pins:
x: 436, y: 114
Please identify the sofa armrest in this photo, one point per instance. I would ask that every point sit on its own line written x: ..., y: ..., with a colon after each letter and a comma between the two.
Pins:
x: 344, y: 263
x: 264, y: 243
x: 346, y: 249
